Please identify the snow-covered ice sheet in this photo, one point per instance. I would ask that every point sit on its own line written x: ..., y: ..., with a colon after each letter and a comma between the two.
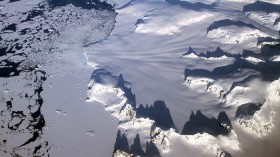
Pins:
x: 143, y: 77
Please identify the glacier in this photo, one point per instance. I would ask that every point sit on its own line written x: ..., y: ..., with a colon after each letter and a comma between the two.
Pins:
x: 139, y: 78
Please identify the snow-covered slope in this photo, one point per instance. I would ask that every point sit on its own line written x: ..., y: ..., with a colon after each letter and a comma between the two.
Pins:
x: 262, y: 124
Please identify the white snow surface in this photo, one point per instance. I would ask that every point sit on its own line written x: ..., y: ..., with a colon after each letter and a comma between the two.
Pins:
x: 146, y: 46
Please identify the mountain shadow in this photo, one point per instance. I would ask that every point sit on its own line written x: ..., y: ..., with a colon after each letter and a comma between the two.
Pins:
x: 246, y: 111
x: 262, y: 6
x: 277, y: 20
x: 157, y: 112
x: 131, y: 99
x: 270, y: 50
x: 268, y: 39
x: 243, y: 83
x: 227, y: 154
x: 199, y: 123
x: 193, y: 6
x: 136, y: 148
x: 267, y: 51
x: 217, y: 53
x: 121, y: 143
x: 151, y: 150
x: 269, y: 70
x: 228, y: 22
x: 103, y: 77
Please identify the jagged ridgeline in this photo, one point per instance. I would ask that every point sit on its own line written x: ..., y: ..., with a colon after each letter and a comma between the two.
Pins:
x: 85, y: 4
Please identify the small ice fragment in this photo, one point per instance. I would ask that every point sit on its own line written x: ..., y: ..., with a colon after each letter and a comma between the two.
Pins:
x: 60, y: 112
x: 91, y: 133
